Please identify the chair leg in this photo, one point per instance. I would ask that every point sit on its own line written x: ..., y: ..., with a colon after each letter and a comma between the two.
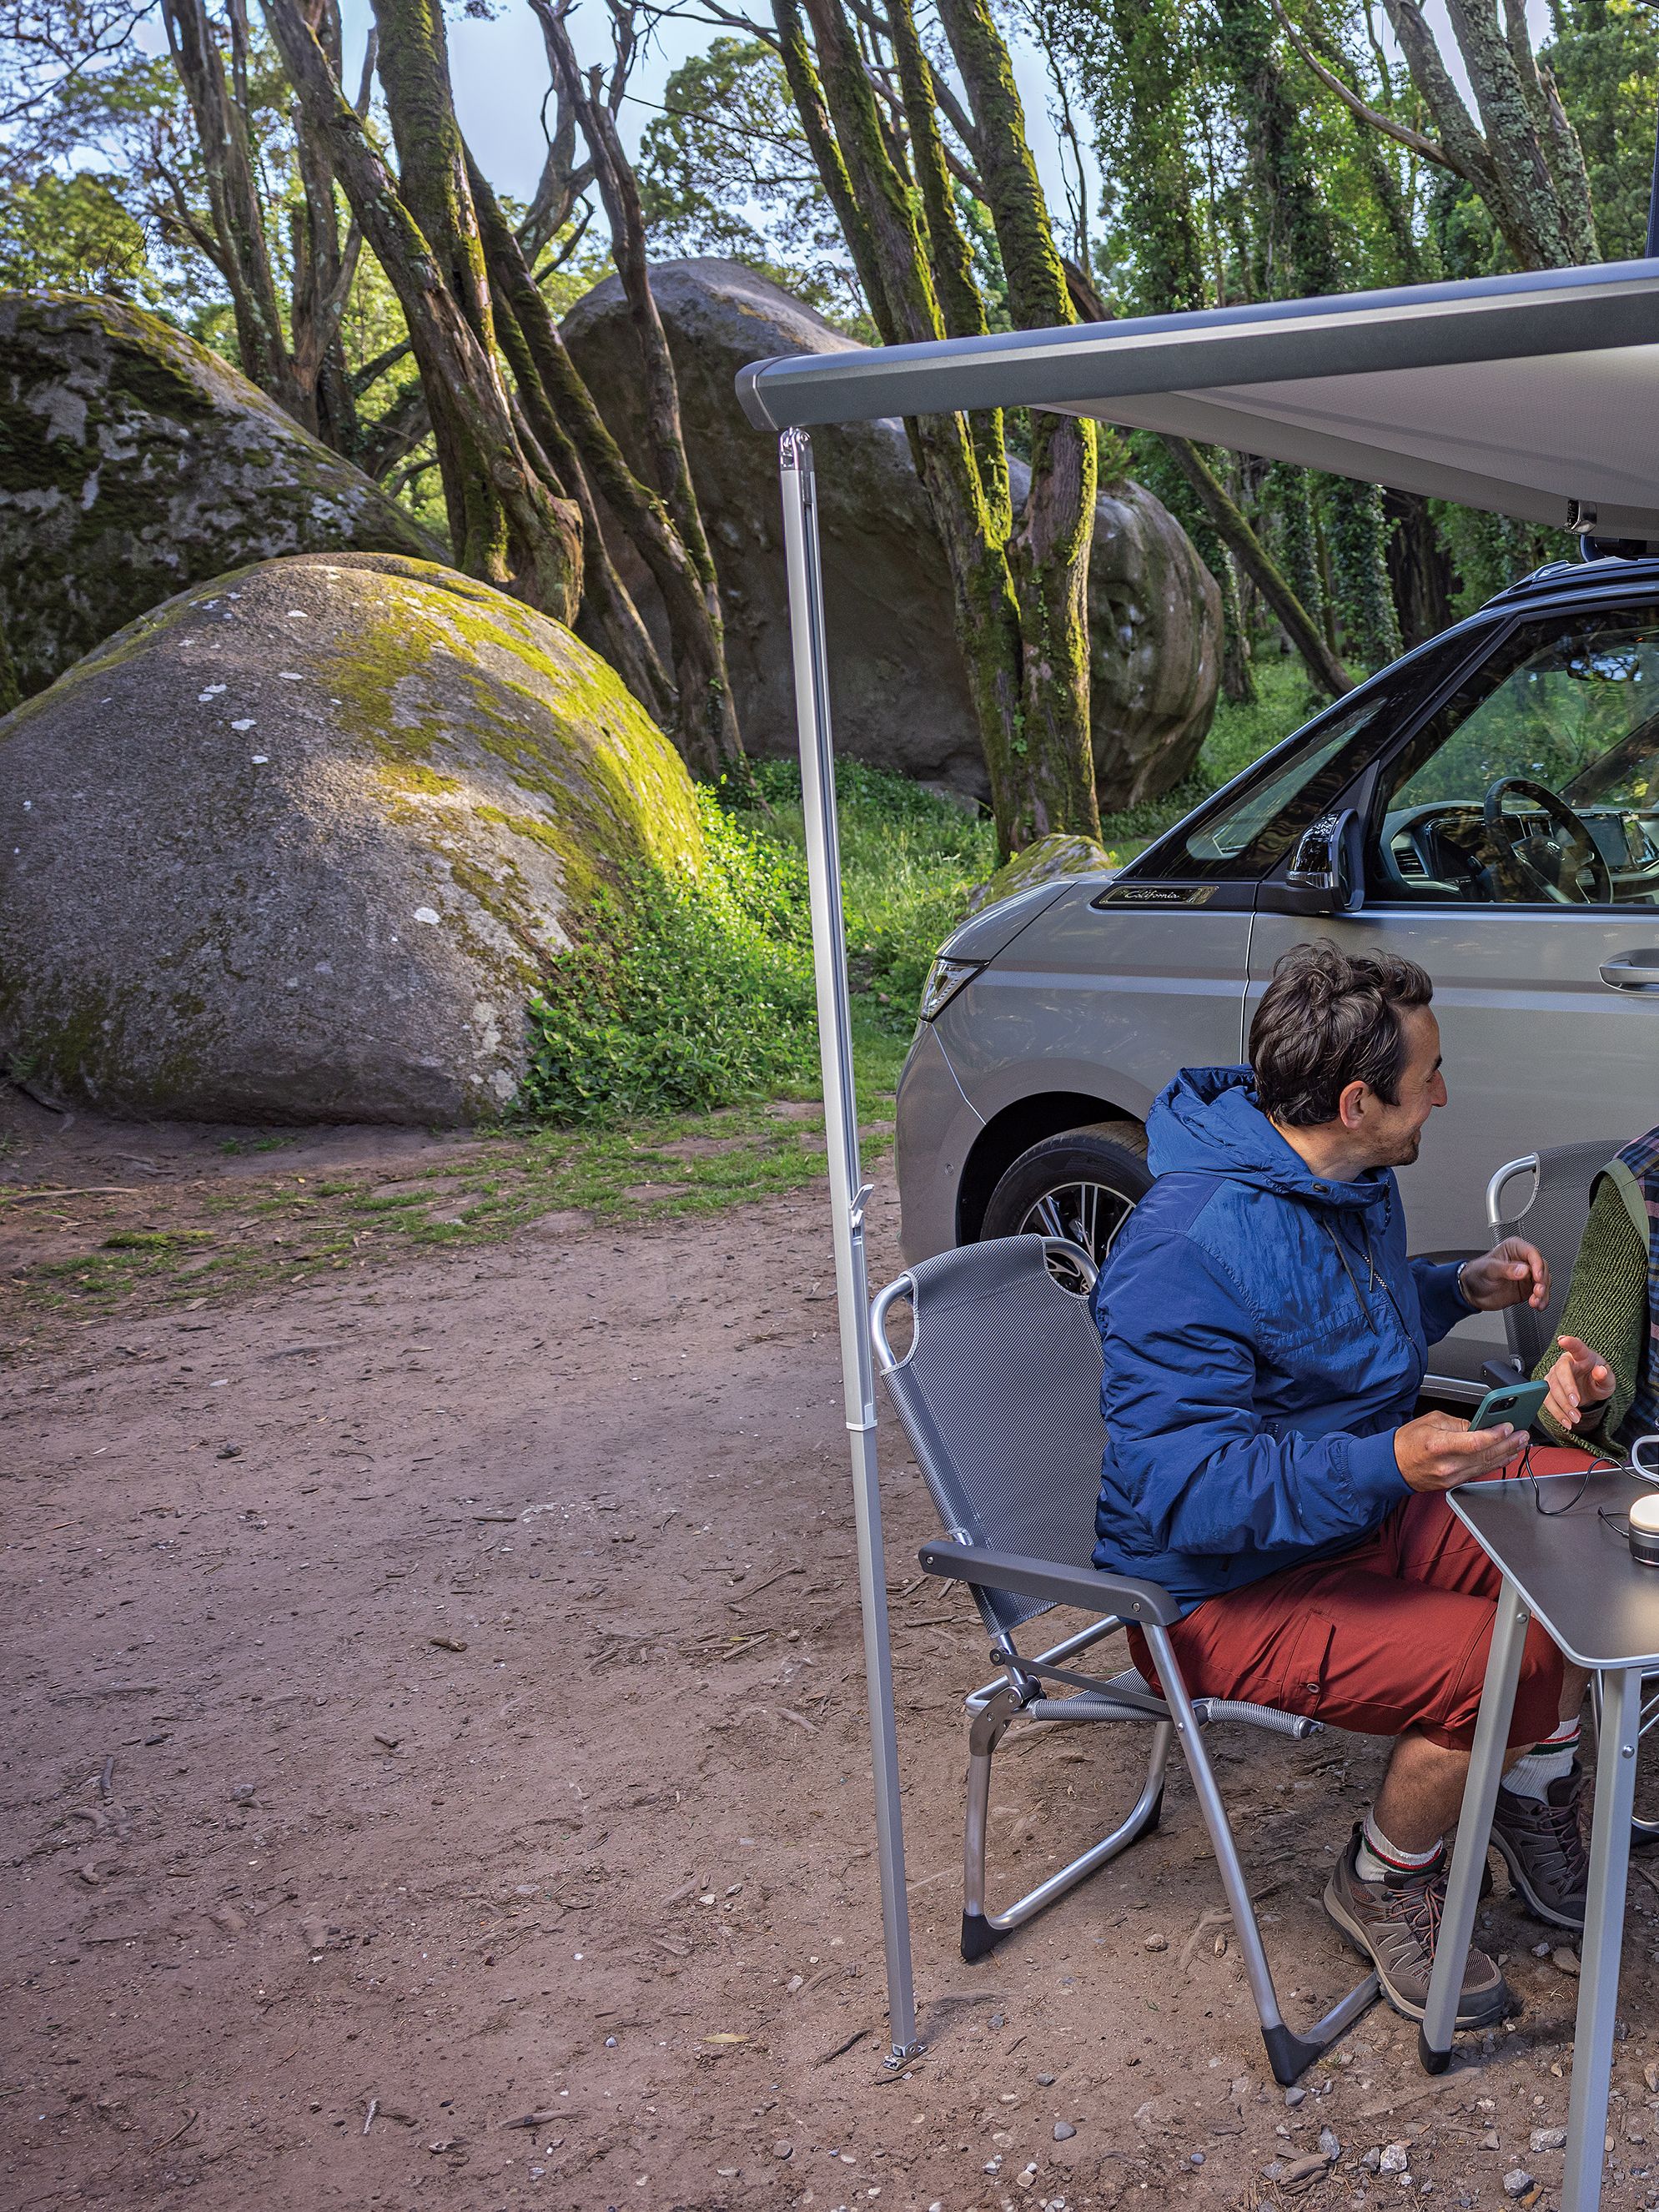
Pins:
x: 1644, y: 1833
x: 982, y: 1931
x: 1289, y: 2054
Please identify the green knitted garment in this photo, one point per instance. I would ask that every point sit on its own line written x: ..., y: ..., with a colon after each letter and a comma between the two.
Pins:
x: 1606, y: 1308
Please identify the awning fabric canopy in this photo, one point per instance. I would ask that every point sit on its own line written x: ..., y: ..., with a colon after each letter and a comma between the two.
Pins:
x: 1535, y: 396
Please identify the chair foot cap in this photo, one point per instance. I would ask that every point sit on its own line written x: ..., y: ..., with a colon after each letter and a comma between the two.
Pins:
x: 979, y: 1938
x: 1432, y: 2061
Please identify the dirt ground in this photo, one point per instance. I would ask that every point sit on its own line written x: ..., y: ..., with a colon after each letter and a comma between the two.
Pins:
x: 435, y: 1775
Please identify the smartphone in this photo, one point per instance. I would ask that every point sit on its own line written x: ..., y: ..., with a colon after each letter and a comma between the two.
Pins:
x: 1515, y: 1402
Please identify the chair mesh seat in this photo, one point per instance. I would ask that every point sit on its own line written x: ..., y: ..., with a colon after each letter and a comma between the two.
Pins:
x: 1019, y: 1401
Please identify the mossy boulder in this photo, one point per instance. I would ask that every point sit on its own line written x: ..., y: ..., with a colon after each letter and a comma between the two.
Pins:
x: 300, y: 844
x: 133, y: 462
x: 1049, y: 861
x: 899, y: 690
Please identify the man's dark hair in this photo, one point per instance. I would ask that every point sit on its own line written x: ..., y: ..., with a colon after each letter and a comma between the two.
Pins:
x: 1328, y: 1019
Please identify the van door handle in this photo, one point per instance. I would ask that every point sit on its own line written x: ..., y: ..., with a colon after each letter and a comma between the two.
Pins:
x: 1633, y: 971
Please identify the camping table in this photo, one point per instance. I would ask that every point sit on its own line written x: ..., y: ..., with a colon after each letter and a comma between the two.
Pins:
x: 1575, y: 1574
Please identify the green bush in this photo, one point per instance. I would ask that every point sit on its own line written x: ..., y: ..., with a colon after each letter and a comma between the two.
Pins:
x: 691, y: 991
x: 908, y: 861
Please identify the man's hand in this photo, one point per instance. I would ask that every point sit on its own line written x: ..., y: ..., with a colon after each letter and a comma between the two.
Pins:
x: 1512, y: 1273
x: 1437, y: 1451
x: 1580, y: 1382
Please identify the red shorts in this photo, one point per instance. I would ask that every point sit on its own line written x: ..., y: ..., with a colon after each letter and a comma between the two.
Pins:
x: 1390, y: 1636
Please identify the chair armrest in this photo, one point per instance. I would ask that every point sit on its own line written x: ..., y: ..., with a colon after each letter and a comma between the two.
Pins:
x: 1046, y: 1578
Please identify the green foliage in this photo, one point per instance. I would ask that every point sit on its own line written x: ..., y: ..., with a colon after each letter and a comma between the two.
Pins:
x: 697, y: 992
x: 725, y: 168
x: 908, y: 861
x: 1605, y: 59
x: 691, y: 991
x: 74, y: 234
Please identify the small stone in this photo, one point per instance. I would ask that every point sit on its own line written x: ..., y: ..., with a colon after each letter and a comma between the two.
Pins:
x: 1064, y: 2131
x: 997, y: 2021
x: 1157, y: 1943
x: 610, y: 2043
x: 1650, y: 2076
x: 1540, y: 1950
x: 1328, y: 2146
x: 1395, y: 2159
x: 1296, y: 2096
x: 1517, y: 2182
x: 1197, y: 2158
x: 1045, y: 2080
x: 1296, y: 2170
x: 1489, y: 2141
x: 242, y: 1793
x: 783, y: 2148
x: 1372, y: 2161
x: 1563, y: 1960
x: 1547, y: 2139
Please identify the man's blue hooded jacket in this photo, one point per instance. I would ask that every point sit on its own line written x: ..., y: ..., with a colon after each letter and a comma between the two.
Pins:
x: 1265, y: 1335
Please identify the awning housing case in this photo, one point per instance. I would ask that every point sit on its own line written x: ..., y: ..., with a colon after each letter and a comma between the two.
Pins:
x: 1535, y: 396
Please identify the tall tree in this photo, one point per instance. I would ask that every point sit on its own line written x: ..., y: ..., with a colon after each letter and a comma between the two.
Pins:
x: 1522, y: 157
x: 707, y: 709
x: 882, y: 156
x: 1144, y: 67
x: 506, y: 524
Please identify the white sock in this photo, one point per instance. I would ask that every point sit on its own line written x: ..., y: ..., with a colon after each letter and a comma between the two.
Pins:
x: 1377, y: 1857
x: 1546, y: 1762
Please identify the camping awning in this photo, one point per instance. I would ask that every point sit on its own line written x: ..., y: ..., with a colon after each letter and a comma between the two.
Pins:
x: 1535, y: 396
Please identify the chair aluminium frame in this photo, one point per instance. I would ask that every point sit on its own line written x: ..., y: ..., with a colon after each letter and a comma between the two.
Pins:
x: 1010, y: 1588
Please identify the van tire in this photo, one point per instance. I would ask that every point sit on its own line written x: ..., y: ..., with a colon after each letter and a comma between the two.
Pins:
x: 1082, y: 1185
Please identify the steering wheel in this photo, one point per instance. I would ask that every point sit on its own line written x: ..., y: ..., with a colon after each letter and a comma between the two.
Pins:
x: 1535, y: 865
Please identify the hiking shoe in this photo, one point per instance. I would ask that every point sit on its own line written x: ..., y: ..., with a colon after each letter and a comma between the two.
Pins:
x: 1542, y: 1841
x: 1395, y: 1924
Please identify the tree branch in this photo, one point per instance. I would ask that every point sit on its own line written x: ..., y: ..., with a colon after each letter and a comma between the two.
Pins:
x: 1401, y: 132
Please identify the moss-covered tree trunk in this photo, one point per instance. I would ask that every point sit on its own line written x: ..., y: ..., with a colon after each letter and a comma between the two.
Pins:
x: 323, y: 266
x: 1154, y: 70
x: 638, y: 510
x: 895, y: 203
x: 707, y: 710
x: 535, y: 548
x: 1048, y: 549
x: 239, y: 247
x: 1297, y: 252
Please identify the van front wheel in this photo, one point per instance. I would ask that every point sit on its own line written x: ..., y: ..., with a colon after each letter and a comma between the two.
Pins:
x: 1082, y: 1185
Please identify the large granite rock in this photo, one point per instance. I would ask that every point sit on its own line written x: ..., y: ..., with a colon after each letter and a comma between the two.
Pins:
x: 900, y: 697
x: 134, y: 462
x: 297, y: 845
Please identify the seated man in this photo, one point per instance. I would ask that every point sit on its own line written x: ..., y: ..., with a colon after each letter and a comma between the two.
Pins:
x: 1265, y: 1339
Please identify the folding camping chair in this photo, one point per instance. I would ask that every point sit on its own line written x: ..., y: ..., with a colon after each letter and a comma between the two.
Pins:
x: 1553, y: 1214
x: 998, y: 1393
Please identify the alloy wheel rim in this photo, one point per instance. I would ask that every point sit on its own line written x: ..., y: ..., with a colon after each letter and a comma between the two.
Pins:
x: 1083, y: 1212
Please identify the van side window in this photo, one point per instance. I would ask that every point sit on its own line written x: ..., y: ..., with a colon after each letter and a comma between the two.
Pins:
x: 1537, y: 782
x: 1257, y: 823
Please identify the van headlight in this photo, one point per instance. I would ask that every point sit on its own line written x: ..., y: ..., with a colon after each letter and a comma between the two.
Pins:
x: 944, y: 979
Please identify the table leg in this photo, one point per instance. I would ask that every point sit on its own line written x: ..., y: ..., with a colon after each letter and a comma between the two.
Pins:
x: 1491, y: 1732
x: 1604, y: 1932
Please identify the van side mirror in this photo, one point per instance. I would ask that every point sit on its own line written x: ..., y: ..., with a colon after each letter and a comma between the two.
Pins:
x: 1327, y: 872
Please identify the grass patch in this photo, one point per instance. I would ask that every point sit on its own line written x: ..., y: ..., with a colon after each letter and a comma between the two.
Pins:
x: 297, y: 1229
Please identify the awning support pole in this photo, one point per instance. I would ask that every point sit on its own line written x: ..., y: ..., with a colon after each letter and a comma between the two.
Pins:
x: 848, y: 1196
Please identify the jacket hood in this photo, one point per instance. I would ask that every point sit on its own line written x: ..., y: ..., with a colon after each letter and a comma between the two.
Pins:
x: 1207, y: 1122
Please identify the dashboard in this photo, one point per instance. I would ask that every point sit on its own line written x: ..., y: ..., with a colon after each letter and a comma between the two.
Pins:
x: 1443, y: 850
